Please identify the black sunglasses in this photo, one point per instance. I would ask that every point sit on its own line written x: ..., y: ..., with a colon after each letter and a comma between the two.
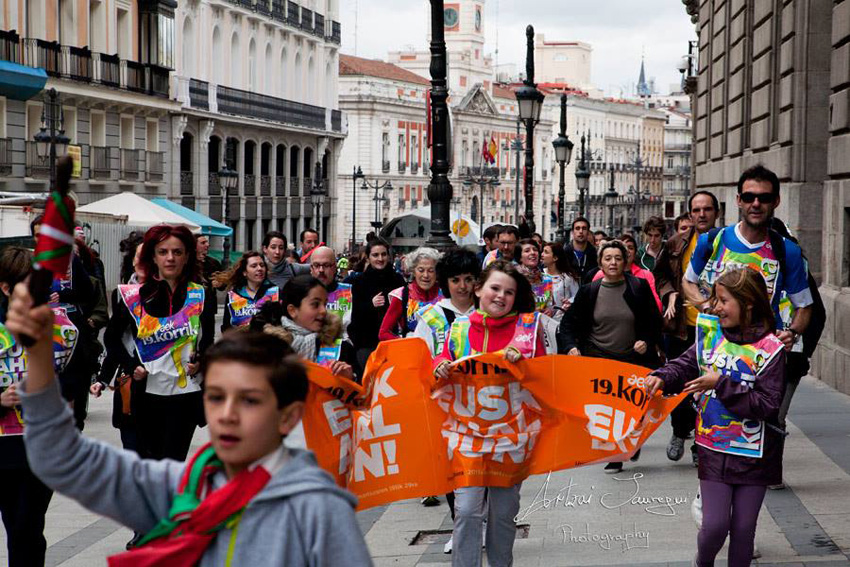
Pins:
x: 764, y: 198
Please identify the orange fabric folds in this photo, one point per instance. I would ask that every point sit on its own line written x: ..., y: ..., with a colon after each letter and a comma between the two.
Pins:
x: 403, y: 434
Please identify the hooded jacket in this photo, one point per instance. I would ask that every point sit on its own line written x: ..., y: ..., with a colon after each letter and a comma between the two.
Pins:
x: 284, y: 271
x: 300, y: 518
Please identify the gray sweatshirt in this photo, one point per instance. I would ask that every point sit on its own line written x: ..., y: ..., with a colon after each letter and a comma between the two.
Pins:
x: 300, y: 517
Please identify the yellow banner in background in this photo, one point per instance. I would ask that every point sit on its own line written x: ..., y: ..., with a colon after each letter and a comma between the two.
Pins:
x: 76, y: 153
x: 403, y: 434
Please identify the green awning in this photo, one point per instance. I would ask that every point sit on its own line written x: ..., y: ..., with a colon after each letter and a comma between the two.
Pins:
x: 208, y: 226
x: 20, y: 82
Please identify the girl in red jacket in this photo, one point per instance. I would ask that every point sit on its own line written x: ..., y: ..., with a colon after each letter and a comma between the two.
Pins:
x: 505, y: 322
x: 737, y: 371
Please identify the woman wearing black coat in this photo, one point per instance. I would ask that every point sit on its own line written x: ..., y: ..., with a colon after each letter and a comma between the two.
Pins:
x: 369, y: 298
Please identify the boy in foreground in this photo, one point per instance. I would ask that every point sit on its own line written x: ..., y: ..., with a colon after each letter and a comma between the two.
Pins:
x: 243, y: 499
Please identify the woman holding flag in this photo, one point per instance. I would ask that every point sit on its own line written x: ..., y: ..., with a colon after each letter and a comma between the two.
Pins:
x: 171, y: 321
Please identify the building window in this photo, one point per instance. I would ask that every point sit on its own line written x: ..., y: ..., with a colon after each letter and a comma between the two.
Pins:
x: 401, y: 149
x: 152, y: 136
x: 69, y: 116
x: 2, y: 117
x: 98, y: 129
x: 127, y: 141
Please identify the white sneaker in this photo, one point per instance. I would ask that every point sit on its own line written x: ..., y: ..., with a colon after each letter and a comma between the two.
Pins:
x: 484, y: 535
x: 756, y: 552
x: 448, y: 547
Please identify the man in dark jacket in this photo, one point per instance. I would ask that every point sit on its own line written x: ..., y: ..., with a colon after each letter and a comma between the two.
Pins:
x: 582, y: 252
x: 679, y: 319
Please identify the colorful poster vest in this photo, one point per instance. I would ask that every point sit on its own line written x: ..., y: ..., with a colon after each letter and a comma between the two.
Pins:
x: 543, y: 293
x: 436, y: 320
x: 524, y: 340
x: 243, y: 308
x: 339, y: 300
x: 13, y: 364
x: 717, y: 428
x: 166, y: 344
x: 413, y: 305
x: 763, y: 261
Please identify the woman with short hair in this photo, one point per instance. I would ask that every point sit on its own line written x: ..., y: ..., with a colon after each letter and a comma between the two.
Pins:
x: 407, y: 300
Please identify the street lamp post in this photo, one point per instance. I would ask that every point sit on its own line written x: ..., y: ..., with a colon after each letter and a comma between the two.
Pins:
x: 51, y: 141
x: 516, y: 146
x: 440, y: 189
x: 358, y: 174
x: 317, y: 198
x: 229, y: 179
x: 483, y: 180
x: 611, y: 202
x: 563, y: 152
x: 530, y: 102
x: 582, y: 177
x: 378, y: 187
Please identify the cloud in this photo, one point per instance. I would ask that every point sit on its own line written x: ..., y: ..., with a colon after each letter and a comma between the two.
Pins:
x: 620, y: 31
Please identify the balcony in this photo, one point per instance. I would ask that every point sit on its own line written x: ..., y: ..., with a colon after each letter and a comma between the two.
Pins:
x: 101, y: 168
x: 336, y: 33
x: 130, y: 164
x: 83, y: 65
x: 199, y: 94
x: 280, y: 186
x: 307, y: 20
x: 426, y: 168
x: 156, y: 166
x: 265, y: 185
x: 385, y: 166
x: 36, y: 166
x: 402, y: 167
x: 414, y: 168
x: 319, y: 27
x: 545, y: 174
x: 263, y: 107
x: 187, y: 183
x: 308, y: 185
x: 250, y: 184
x: 292, y: 17
x: 5, y: 156
x: 294, y: 186
x: 213, y: 184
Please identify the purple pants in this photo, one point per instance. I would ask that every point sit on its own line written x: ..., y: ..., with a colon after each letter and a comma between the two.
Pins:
x: 728, y: 509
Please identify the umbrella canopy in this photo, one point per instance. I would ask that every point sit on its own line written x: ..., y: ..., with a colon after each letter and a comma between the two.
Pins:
x: 209, y: 227
x: 412, y: 229
x: 138, y: 210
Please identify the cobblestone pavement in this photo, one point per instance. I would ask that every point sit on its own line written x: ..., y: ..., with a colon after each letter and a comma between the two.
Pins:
x: 638, y: 517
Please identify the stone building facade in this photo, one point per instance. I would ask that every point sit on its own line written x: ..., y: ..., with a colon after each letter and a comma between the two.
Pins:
x: 773, y: 88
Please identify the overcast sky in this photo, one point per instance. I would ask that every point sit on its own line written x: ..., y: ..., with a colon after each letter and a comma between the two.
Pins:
x: 619, y: 31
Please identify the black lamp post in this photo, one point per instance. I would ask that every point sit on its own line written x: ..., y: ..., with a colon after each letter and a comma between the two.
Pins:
x: 358, y: 174
x: 317, y: 198
x: 482, y: 181
x: 563, y: 152
x: 530, y: 102
x: 582, y: 177
x: 516, y: 146
x: 51, y: 141
x: 611, y: 202
x: 440, y: 189
x: 229, y: 179
x: 378, y: 199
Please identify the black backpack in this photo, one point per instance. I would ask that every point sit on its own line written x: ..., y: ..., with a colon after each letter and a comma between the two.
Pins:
x: 817, y: 322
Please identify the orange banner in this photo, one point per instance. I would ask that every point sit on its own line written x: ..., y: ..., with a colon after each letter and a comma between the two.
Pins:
x: 404, y: 434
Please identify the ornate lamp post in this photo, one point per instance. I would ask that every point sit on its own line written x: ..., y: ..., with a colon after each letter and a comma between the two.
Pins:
x: 317, y: 198
x: 358, y: 174
x: 440, y: 189
x: 582, y: 178
x: 51, y: 141
x: 611, y: 202
x: 563, y: 152
x: 483, y: 180
x: 378, y: 199
x: 530, y: 102
x: 229, y: 179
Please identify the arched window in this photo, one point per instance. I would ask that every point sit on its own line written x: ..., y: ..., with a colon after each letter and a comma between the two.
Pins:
x: 297, y: 79
x: 328, y: 86
x: 268, y: 71
x: 216, y: 72
x: 235, y: 62
x: 252, y: 65
x: 188, y: 47
x: 284, y: 79
x: 311, y: 81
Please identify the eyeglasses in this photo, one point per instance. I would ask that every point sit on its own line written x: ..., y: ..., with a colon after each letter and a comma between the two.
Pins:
x: 322, y: 266
x: 764, y: 198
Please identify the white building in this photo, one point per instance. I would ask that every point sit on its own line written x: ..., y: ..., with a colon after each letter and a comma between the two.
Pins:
x: 678, y: 143
x: 562, y: 62
x: 257, y: 81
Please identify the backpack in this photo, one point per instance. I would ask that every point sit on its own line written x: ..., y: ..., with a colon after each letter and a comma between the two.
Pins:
x: 817, y: 322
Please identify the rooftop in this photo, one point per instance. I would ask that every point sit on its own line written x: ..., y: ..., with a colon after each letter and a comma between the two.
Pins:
x: 358, y: 66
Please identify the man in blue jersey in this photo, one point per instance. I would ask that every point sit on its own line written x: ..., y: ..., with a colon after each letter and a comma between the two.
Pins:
x: 751, y: 243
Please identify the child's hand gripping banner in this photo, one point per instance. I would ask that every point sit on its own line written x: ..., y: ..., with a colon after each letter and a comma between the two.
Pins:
x: 405, y: 434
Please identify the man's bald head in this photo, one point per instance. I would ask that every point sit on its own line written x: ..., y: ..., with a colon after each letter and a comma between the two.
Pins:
x: 323, y: 265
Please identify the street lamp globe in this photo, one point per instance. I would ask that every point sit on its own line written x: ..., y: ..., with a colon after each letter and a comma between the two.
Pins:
x: 62, y: 142
x: 611, y: 197
x: 530, y: 101
x: 229, y: 178
x: 563, y: 149
x: 582, y: 180
x: 42, y: 143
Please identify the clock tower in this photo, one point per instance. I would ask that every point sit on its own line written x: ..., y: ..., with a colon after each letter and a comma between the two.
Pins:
x: 464, y: 23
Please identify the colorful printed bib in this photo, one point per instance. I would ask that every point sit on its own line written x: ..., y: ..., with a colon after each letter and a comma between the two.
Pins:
x: 13, y: 365
x: 339, y: 300
x: 719, y: 429
x: 438, y: 324
x: 413, y: 305
x: 524, y: 339
x: 166, y: 344
x: 543, y: 293
x: 243, y: 308
x: 763, y: 261
x: 328, y: 354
